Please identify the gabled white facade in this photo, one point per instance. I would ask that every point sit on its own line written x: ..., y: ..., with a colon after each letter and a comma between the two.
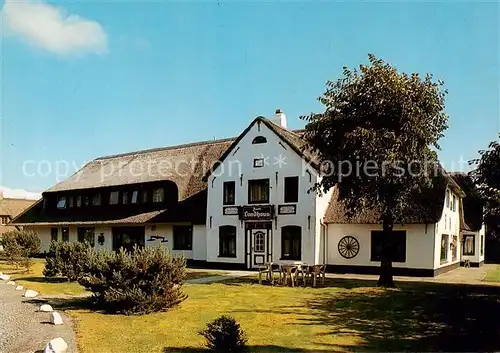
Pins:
x: 241, y: 166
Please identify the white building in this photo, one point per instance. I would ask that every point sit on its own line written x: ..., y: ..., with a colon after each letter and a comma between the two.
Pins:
x: 239, y: 203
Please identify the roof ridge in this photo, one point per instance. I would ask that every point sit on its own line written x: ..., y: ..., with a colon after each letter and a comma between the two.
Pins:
x: 166, y: 148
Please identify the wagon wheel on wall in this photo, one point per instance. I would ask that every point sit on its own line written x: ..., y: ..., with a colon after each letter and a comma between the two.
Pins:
x: 348, y: 247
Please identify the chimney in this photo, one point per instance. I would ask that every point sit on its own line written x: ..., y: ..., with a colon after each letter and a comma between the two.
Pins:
x: 280, y: 118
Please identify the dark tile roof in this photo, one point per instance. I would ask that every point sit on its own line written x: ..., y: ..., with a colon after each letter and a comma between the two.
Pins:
x: 13, y: 207
x: 472, y: 211
x: 426, y: 208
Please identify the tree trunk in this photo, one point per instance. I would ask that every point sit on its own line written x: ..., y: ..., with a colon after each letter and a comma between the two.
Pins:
x: 385, y: 279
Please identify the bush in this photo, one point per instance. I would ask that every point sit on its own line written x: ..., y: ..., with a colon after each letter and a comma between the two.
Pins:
x: 66, y: 260
x: 224, y: 335
x: 146, y: 280
x: 19, y: 246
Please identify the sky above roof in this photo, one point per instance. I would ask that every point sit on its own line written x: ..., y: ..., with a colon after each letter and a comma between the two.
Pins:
x: 86, y: 79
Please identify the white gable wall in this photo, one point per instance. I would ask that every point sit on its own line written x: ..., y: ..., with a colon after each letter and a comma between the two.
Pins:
x: 238, y: 167
x: 448, y: 224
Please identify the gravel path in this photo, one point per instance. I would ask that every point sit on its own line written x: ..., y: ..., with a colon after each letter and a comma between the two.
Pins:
x: 23, y: 329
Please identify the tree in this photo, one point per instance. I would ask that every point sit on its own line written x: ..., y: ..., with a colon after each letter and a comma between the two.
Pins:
x: 486, y: 176
x: 20, y: 245
x: 375, y: 138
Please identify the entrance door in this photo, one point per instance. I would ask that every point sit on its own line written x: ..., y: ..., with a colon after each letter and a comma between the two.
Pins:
x: 259, y: 246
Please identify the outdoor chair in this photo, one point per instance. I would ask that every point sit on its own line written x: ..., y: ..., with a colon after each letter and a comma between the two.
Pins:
x: 290, y: 272
x: 318, y: 271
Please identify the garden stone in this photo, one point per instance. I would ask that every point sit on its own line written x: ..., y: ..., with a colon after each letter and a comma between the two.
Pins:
x: 12, y: 283
x: 4, y: 277
x: 46, y: 308
x: 55, y: 318
x: 57, y: 345
x: 30, y: 293
x: 19, y: 288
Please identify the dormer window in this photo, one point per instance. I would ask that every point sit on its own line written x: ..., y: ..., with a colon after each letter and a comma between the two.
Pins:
x: 61, y: 202
x: 78, y: 201
x: 144, y: 196
x: 258, y: 140
x: 70, y: 202
x: 96, y: 200
x: 125, y: 197
x: 113, y: 197
x: 158, y: 195
x: 135, y: 195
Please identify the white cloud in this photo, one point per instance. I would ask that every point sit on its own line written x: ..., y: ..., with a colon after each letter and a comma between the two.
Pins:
x: 19, y: 193
x: 50, y: 28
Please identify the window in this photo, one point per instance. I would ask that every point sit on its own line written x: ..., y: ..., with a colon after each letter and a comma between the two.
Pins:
x: 482, y: 245
x: 61, y: 202
x: 445, y: 239
x: 258, y: 140
x: 86, y: 234
x: 183, y: 238
x: 65, y: 234
x: 469, y: 242
x: 454, y: 203
x: 398, y: 243
x: 291, y: 243
x: 258, y: 162
x: 125, y: 197
x: 144, y: 196
x: 292, y: 189
x: 228, y: 192
x: 135, y: 194
x: 259, y: 244
x: 445, y: 221
x: 448, y: 198
x: 4, y: 220
x: 227, y: 241
x: 78, y: 201
x: 454, y: 247
x: 258, y: 191
x: 113, y: 197
x: 53, y: 234
x: 70, y: 202
x: 158, y: 195
x: 96, y: 200
x: 86, y: 201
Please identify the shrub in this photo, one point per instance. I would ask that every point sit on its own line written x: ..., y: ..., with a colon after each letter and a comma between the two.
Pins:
x: 146, y: 280
x: 66, y: 260
x: 224, y: 335
x: 19, y: 246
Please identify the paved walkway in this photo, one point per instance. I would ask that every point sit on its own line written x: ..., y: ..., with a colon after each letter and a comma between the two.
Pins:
x: 24, y: 329
x: 225, y: 275
x: 461, y: 275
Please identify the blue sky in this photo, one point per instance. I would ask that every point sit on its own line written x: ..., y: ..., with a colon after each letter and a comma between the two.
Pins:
x: 150, y: 74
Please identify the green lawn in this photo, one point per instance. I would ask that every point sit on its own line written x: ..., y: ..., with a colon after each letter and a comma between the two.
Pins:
x: 36, y: 281
x: 492, y: 275
x: 341, y: 316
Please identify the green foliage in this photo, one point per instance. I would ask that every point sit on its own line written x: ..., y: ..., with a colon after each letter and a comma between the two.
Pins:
x: 66, y: 259
x: 146, y: 280
x: 486, y: 176
x: 19, y: 246
x: 375, y: 138
x: 224, y: 335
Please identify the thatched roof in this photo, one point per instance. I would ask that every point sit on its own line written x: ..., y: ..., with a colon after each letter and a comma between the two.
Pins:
x: 13, y: 207
x: 427, y: 207
x: 185, y: 165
